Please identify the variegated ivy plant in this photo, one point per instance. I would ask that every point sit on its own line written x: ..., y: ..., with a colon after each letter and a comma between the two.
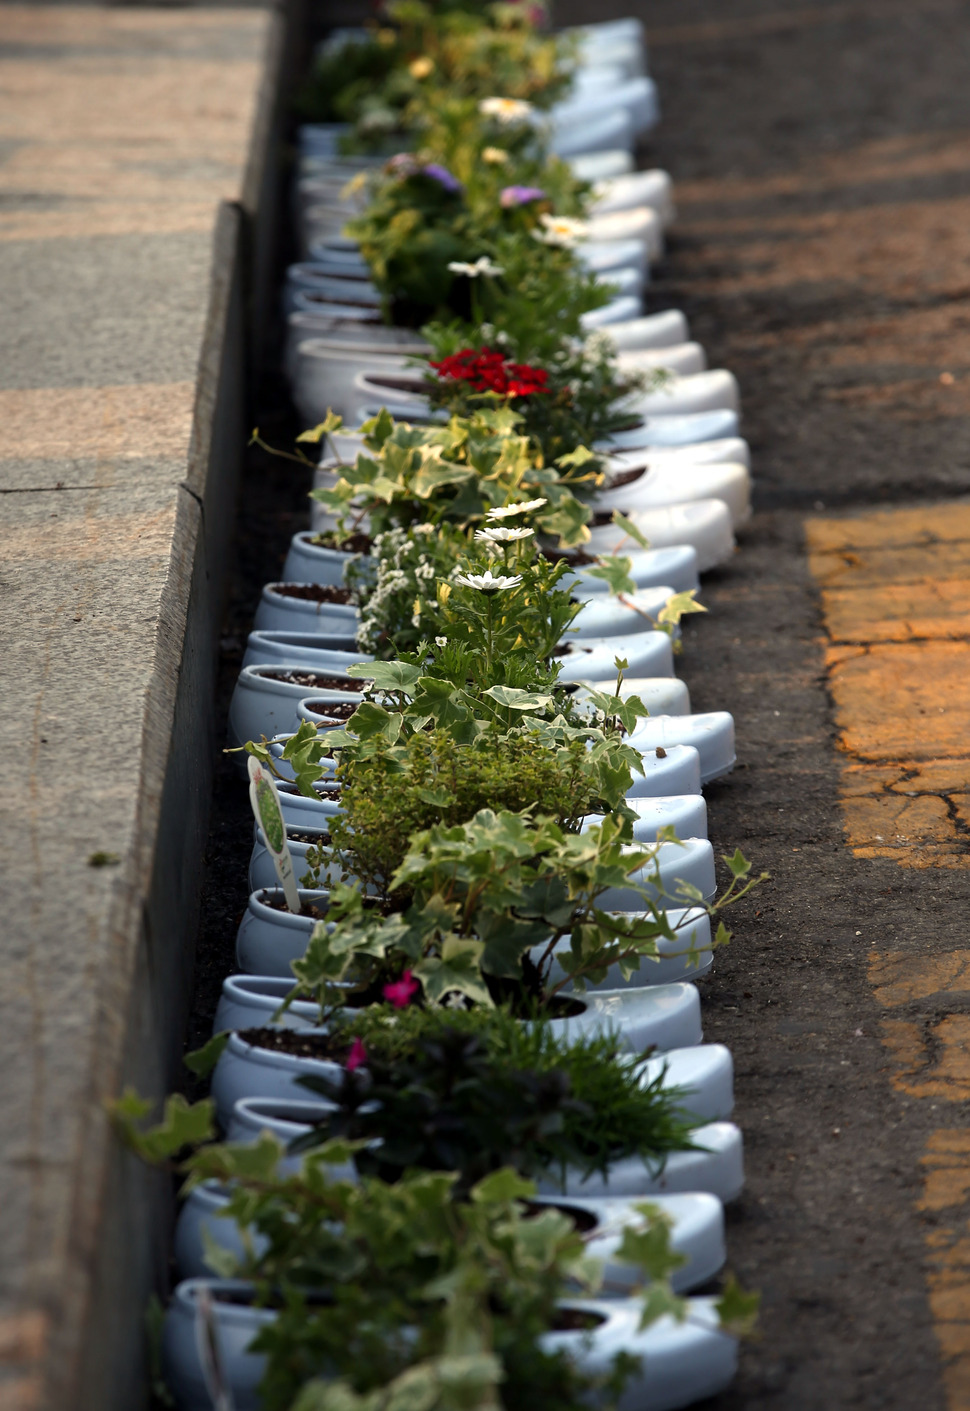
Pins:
x: 450, y: 472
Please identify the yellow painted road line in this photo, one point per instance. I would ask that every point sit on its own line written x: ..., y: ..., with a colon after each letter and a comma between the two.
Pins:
x: 896, y: 598
x: 895, y: 588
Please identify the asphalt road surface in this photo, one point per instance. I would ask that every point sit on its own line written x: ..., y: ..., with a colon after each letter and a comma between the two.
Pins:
x: 821, y: 156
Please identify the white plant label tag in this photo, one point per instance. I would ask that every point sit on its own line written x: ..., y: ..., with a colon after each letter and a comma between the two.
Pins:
x: 269, y: 815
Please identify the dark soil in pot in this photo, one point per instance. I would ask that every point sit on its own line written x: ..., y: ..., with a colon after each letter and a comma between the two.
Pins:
x: 276, y: 902
x: 314, y: 680
x: 312, y: 592
x: 353, y: 544
x: 339, y: 711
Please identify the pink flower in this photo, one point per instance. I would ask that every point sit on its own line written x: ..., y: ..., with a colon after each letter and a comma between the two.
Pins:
x: 401, y: 991
x: 357, y: 1056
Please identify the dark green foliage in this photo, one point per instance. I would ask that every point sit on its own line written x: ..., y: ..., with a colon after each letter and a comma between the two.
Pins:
x: 473, y: 1090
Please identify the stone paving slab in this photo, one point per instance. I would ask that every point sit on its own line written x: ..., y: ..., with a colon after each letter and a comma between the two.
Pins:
x: 123, y: 133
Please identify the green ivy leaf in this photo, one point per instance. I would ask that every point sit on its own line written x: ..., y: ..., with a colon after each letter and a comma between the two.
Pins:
x: 737, y: 1310
x: 456, y: 971
x: 630, y: 529
x: 331, y: 422
x: 183, y: 1125
x: 615, y: 571
x: 201, y: 1061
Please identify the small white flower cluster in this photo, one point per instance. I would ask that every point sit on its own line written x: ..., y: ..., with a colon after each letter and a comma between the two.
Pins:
x: 403, y: 566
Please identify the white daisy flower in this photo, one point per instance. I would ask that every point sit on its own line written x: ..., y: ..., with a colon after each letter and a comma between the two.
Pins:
x: 487, y: 582
x: 561, y: 230
x: 483, y: 265
x: 523, y: 507
x: 502, y: 536
x: 506, y: 110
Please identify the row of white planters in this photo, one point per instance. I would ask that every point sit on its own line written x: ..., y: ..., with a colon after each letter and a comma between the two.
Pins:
x: 683, y: 475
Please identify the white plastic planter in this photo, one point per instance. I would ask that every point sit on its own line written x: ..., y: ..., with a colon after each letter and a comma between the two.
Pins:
x: 682, y: 358
x: 660, y: 486
x: 251, y: 1002
x: 650, y: 331
x: 334, y: 652
x: 601, y: 166
x: 717, y: 1169
x: 704, y: 524
x: 639, y: 223
x: 685, y: 813
x: 716, y: 390
x: 661, y: 1016
x: 618, y: 310
x: 637, y: 97
x: 246, y: 1071
x: 697, y: 1234
x: 694, y: 929
x: 690, y: 860
x: 604, y: 256
x: 268, y: 940
x: 662, y: 695
x: 723, y: 450
x: 237, y: 1325
x: 262, y: 705
x: 576, y: 134
x: 594, y: 658
x: 675, y: 771
x: 674, y: 429
x: 307, y: 562
x: 326, y: 374
x: 278, y: 611
x: 653, y: 188
x: 711, y: 734
x: 307, y: 278
x: 679, y: 1363
x: 262, y: 872
x: 606, y: 616
x: 299, y: 812
x: 361, y: 336
x: 674, y: 567
x: 625, y: 281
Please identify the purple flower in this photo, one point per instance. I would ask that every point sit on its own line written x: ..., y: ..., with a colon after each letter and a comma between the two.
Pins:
x: 442, y: 176
x: 357, y: 1056
x: 521, y: 195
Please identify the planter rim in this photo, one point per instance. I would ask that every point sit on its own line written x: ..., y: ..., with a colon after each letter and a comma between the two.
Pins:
x: 285, y: 918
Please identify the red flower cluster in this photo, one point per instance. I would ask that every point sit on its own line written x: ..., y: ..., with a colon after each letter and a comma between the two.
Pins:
x: 488, y: 371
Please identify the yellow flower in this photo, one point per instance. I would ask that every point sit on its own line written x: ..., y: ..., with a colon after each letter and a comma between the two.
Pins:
x: 420, y: 68
x: 386, y: 37
x: 495, y: 156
